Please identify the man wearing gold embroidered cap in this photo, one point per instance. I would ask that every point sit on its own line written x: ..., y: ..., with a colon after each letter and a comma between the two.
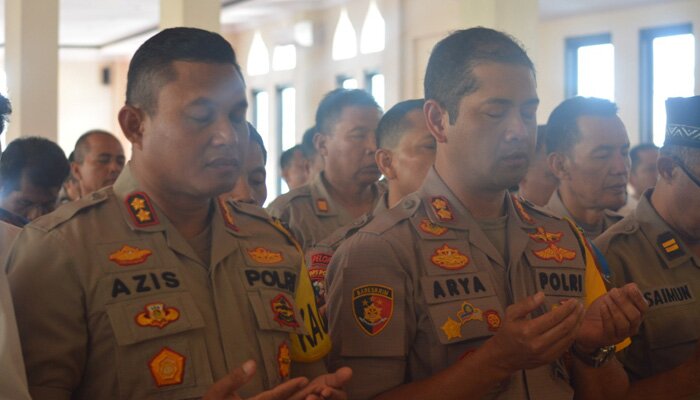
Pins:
x: 658, y: 247
x: 153, y: 289
x: 461, y: 291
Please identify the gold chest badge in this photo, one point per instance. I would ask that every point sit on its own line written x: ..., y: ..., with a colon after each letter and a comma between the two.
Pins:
x: 129, y: 255
x: 447, y: 257
x: 431, y: 228
x: 264, y: 256
x: 167, y: 367
x: 552, y: 251
x: 157, y: 315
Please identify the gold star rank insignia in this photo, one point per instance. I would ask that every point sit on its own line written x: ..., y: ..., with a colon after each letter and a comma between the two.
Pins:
x: 452, y: 329
x: 140, y: 209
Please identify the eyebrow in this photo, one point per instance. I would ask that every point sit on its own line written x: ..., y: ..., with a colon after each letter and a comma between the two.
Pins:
x: 507, y: 102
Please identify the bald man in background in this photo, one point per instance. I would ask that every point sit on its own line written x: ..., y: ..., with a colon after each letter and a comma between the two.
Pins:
x: 98, y: 160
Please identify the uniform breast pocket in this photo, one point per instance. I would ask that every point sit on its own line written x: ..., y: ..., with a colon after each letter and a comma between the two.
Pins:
x: 160, y: 347
x: 277, y: 316
x: 462, y: 307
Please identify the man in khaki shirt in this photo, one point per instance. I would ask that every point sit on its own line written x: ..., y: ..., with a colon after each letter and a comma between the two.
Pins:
x: 460, y: 291
x: 153, y: 289
x: 347, y: 187
x: 588, y: 152
x: 406, y: 151
x: 98, y: 161
x: 657, y: 246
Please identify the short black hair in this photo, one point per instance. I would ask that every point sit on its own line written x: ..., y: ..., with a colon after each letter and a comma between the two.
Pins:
x: 43, y: 162
x: 288, y: 156
x: 82, y: 146
x: 335, y: 101
x: 255, y: 137
x: 562, y: 126
x: 151, y: 67
x: 393, y: 124
x: 5, y: 111
x: 634, y: 153
x: 308, y: 149
x: 448, y: 76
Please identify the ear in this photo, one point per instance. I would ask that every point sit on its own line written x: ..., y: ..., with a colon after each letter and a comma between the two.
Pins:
x: 131, y: 120
x: 665, y: 166
x: 559, y: 165
x: 75, y: 171
x: 321, y: 144
x: 384, y: 159
x: 437, y: 119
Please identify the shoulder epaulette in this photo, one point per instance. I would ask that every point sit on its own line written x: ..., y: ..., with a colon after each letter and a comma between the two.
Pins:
x: 285, y: 199
x: 340, y: 234
x: 524, y: 205
x: 249, y: 209
x: 383, y: 221
x: 69, y: 210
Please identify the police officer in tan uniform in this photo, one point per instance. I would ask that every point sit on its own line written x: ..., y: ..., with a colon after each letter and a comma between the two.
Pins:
x: 588, y: 152
x: 347, y: 187
x: 658, y: 247
x: 406, y: 150
x: 152, y: 288
x: 461, y: 291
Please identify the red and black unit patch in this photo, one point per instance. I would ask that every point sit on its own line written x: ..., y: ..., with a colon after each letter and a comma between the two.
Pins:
x: 284, y: 361
x: 317, y: 272
x: 441, y: 208
x: 283, y: 311
x: 493, y: 320
x: 372, y: 307
x: 167, y: 367
x: 227, y: 216
x: 670, y: 246
x: 141, y: 210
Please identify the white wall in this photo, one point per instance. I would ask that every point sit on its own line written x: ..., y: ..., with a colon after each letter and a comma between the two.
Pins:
x: 624, y: 26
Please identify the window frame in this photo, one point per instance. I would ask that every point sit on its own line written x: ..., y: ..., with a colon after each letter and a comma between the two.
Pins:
x: 572, y: 44
x: 279, y: 146
x: 646, y: 73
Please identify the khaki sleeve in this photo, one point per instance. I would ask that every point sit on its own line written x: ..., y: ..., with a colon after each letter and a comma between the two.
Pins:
x: 370, y: 314
x: 50, y: 309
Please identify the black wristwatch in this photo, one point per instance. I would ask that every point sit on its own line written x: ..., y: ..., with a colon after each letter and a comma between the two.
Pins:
x: 596, y: 359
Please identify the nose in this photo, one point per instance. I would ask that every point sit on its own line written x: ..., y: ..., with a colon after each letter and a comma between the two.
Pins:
x: 228, y: 133
x: 371, y: 144
x: 519, y: 128
x: 241, y: 191
x: 621, y: 164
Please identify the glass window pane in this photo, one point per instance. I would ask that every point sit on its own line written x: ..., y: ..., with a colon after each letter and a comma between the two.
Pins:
x: 377, y: 85
x: 674, y: 76
x: 596, y: 71
x: 258, y: 57
x: 284, y: 57
x: 288, y: 117
x: 373, y: 33
x: 350, y: 83
x: 262, y: 116
x: 345, y: 38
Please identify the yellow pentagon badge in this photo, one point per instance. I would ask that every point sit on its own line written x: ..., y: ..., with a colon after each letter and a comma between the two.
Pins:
x: 157, y: 315
x: 141, y: 210
x: 130, y: 255
x: 167, y: 367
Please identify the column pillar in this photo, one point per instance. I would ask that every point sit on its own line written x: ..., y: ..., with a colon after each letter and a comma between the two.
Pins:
x: 203, y: 14
x: 31, y: 63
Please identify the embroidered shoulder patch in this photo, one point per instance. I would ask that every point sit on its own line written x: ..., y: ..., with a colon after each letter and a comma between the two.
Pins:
x: 167, y: 367
x: 157, y: 315
x: 552, y: 251
x: 265, y: 256
x: 442, y: 209
x: 521, y: 210
x: 283, y: 311
x: 141, y: 210
x: 447, y: 257
x: 129, y: 255
x: 227, y: 216
x: 373, y: 306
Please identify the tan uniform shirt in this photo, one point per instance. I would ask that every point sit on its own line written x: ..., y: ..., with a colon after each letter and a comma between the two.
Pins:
x: 310, y: 212
x: 13, y: 382
x: 319, y: 255
x: 421, y: 286
x: 113, y: 303
x: 557, y: 207
x: 645, y: 250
